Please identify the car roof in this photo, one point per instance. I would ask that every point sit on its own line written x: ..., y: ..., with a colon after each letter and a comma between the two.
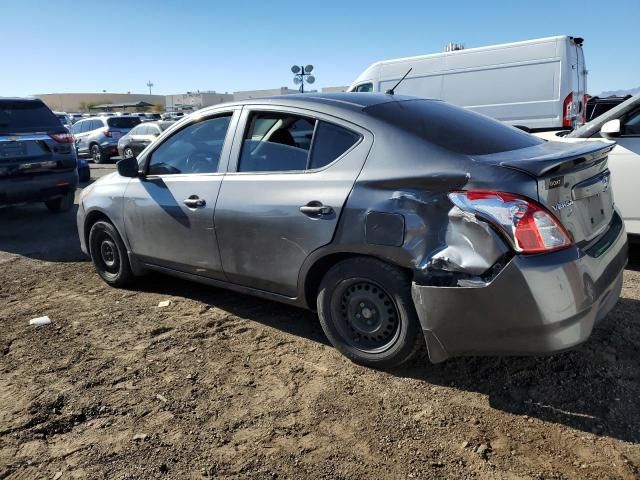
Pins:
x: 349, y: 101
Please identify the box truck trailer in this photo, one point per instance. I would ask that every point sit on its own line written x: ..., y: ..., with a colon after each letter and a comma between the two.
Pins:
x: 538, y: 84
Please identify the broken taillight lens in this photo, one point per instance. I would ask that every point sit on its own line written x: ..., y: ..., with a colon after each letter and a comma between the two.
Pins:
x: 529, y: 227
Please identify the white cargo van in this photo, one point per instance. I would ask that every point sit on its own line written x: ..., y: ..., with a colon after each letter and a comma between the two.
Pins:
x: 539, y: 84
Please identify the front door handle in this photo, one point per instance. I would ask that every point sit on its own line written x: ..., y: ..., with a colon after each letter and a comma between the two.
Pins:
x: 194, y: 202
x: 316, y: 209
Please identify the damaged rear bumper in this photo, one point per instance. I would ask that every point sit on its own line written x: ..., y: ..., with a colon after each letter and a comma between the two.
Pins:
x: 535, y: 305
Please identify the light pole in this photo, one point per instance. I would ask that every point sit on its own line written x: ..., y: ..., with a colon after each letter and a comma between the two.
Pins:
x: 301, y: 75
x: 149, y: 84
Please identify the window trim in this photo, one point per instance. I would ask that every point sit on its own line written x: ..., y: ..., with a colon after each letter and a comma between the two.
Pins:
x: 257, y: 109
x: 179, y: 127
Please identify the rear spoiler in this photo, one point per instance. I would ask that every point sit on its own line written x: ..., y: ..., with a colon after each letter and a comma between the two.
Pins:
x: 554, y: 157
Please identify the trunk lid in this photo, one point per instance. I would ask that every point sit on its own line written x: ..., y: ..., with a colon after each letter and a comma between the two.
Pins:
x: 572, y: 181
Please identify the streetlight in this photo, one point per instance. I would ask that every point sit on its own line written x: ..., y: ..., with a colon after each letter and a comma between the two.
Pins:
x: 302, y: 74
x: 149, y: 84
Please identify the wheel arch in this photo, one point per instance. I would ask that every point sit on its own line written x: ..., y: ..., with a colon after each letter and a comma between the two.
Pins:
x: 315, y: 272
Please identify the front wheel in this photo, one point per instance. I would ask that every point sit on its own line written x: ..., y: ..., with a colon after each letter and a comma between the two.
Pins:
x: 127, y: 153
x: 109, y: 254
x: 367, y: 313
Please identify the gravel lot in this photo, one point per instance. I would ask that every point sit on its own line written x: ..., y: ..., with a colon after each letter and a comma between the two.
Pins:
x: 221, y: 385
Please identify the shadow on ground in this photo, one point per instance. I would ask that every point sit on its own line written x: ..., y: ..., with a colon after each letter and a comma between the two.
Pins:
x: 32, y: 231
x: 593, y: 388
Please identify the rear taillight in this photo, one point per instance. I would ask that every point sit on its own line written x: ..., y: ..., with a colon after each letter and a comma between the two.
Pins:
x: 567, y: 111
x: 528, y: 226
x: 108, y: 133
x: 62, y: 137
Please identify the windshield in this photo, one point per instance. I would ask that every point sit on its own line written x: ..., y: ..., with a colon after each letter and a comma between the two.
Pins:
x: 26, y: 116
x: 454, y: 128
x: 594, y: 126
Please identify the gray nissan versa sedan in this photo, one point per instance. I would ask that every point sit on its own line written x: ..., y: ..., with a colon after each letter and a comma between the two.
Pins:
x: 401, y: 220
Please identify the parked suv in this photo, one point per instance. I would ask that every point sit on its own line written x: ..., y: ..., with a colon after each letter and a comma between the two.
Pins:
x: 37, y: 156
x: 98, y: 136
x: 400, y: 220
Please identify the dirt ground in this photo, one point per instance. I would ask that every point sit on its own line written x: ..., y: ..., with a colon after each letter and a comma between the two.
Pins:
x: 221, y: 385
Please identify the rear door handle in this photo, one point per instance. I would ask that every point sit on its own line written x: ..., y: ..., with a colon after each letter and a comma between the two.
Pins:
x: 316, y: 209
x: 194, y: 202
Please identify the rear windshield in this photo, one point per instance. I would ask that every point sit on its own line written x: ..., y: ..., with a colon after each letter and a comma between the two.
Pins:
x: 451, y: 127
x: 123, y: 122
x: 20, y: 116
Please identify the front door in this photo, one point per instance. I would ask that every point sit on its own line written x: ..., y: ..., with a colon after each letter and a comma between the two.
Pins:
x: 169, y: 211
x: 289, y: 177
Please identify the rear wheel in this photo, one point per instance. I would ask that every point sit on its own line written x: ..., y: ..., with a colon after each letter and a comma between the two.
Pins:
x: 109, y: 254
x: 61, y: 204
x: 367, y: 313
x: 98, y: 155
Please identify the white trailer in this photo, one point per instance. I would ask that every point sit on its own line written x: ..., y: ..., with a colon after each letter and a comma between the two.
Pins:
x: 538, y: 84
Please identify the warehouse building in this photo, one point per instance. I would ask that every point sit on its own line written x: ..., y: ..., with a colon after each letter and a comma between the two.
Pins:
x: 192, y: 101
x: 80, y: 102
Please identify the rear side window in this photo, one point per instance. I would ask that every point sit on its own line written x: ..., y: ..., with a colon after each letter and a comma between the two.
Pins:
x: 24, y: 116
x: 281, y: 142
x: 453, y: 128
x: 329, y: 143
x: 276, y: 142
x: 123, y: 122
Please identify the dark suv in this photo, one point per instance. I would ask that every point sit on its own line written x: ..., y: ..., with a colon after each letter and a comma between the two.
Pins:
x: 37, y: 156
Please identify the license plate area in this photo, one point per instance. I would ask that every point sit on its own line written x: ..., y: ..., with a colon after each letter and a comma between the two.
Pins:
x: 12, y: 150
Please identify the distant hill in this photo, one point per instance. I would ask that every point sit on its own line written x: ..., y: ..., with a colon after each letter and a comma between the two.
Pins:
x: 620, y: 93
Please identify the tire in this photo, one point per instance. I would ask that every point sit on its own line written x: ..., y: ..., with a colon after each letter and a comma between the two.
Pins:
x: 61, y: 204
x: 97, y: 154
x: 367, y: 313
x: 109, y: 255
x: 127, y: 153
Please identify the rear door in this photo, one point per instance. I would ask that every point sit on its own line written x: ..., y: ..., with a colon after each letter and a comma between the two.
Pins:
x: 290, y: 173
x: 26, y: 146
x: 169, y: 211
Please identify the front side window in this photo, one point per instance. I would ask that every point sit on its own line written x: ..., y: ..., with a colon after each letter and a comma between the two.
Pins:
x: 194, y: 149
x: 281, y: 142
x: 76, y: 128
x: 364, y: 87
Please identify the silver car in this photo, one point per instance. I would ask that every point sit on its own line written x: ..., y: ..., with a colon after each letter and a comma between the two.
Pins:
x: 402, y: 221
x: 98, y: 136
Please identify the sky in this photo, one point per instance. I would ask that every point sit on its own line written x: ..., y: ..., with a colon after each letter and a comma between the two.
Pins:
x: 188, y: 45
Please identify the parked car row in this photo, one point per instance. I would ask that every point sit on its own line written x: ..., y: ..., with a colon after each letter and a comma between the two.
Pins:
x: 402, y: 221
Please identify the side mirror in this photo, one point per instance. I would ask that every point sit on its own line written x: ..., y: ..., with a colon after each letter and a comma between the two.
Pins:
x: 128, y: 167
x: 611, y: 129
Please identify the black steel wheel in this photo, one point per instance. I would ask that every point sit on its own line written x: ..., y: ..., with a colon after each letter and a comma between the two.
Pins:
x: 368, y: 318
x: 109, y: 254
x: 366, y: 312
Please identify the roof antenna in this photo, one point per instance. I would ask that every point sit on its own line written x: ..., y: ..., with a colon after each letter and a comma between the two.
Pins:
x: 392, y: 91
